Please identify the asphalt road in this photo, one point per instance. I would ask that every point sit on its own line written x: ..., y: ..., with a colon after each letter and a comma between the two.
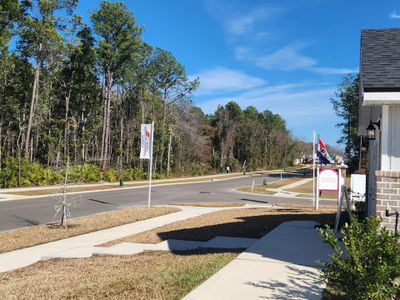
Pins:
x: 29, y: 212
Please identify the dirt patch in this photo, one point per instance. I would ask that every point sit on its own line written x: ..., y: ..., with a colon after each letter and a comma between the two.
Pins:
x: 40, y: 234
x: 251, y: 223
x: 149, y: 275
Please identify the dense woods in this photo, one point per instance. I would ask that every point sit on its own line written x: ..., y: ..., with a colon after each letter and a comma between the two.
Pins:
x: 74, y: 93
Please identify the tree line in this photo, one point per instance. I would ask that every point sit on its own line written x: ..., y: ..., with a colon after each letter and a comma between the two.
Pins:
x: 76, y: 93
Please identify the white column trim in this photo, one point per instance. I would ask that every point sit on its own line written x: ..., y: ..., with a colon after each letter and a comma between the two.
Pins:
x: 385, y: 147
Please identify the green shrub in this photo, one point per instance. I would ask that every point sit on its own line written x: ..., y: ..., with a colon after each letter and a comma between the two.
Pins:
x: 109, y: 175
x: 31, y: 174
x: 85, y: 173
x: 133, y: 174
x: 194, y: 169
x: 367, y: 265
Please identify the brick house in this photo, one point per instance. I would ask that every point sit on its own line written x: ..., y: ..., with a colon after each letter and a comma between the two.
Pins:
x: 379, y: 119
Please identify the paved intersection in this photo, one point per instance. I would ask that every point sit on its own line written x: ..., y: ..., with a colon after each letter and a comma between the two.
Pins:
x: 28, y: 212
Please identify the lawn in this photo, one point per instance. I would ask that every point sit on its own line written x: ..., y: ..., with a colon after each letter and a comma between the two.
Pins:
x: 306, y: 190
x: 151, y: 275
x: 259, y: 189
x: 40, y: 234
x: 264, y: 189
x: 211, y: 204
x: 247, y: 222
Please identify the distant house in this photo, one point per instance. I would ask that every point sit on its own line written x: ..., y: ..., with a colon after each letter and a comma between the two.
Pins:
x: 379, y: 118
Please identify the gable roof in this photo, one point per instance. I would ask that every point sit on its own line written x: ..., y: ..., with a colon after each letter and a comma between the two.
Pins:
x: 380, y: 60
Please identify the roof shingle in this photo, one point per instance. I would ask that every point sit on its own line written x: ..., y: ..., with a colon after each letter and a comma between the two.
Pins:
x: 380, y: 59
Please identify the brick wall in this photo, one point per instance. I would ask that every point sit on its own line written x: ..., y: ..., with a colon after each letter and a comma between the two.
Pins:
x: 387, y: 192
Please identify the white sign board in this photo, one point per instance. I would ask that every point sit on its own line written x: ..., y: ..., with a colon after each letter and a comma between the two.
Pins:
x: 328, y: 180
x: 358, y: 187
x: 146, y: 132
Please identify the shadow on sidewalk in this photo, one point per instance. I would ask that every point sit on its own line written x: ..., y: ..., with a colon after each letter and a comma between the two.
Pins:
x: 246, y: 227
x: 302, y: 284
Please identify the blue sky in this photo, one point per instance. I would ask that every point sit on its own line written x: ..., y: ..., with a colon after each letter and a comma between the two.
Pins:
x: 287, y: 56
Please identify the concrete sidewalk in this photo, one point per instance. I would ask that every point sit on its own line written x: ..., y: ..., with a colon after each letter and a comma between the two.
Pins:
x: 281, y: 265
x: 27, y: 256
x: 84, y: 245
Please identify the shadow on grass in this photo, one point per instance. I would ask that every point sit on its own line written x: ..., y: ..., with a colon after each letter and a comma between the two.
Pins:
x: 246, y: 227
x: 204, y: 251
x: 53, y: 226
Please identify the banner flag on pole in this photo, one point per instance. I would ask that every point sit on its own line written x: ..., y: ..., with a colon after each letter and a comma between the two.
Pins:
x: 322, y: 153
x: 146, y: 141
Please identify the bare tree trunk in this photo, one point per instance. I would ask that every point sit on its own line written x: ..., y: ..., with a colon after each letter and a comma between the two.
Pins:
x: 66, y: 128
x: 35, y: 89
x: 1, y: 152
x: 106, y: 121
x: 169, y: 153
x: 103, y: 133
x: 163, y: 131
x: 143, y: 120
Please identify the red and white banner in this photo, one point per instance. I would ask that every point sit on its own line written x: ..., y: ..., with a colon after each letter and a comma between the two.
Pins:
x: 146, y: 145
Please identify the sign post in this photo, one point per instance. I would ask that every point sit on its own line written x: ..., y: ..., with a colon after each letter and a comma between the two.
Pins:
x: 146, y: 150
x: 313, y: 170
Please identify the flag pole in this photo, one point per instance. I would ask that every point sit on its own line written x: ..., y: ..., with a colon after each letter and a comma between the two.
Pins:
x: 151, y: 163
x: 317, y: 190
x: 313, y: 170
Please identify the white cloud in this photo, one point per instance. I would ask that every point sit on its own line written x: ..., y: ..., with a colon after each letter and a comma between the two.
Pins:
x: 289, y: 100
x: 238, y: 21
x: 244, y: 23
x: 219, y: 80
x: 394, y: 15
x: 329, y: 71
x: 287, y: 58
x: 305, y: 106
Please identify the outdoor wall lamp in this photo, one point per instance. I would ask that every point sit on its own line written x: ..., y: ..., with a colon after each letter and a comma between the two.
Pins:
x: 395, y: 213
x: 371, y: 129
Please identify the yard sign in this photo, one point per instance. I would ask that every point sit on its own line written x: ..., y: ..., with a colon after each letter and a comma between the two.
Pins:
x: 328, y: 180
x: 146, y: 149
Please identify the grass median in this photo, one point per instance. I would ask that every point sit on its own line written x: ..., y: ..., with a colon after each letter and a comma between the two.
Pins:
x: 40, y: 234
x: 113, y: 186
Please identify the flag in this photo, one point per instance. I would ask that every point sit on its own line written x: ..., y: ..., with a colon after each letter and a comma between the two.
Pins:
x: 146, y: 144
x: 322, y: 153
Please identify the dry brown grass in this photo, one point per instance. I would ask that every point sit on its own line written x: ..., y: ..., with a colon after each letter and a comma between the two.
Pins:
x: 252, y: 223
x: 306, y: 190
x: 280, y: 183
x: 310, y: 206
x: 259, y: 189
x: 31, y: 236
x: 73, y: 189
x: 149, y: 275
x: 59, y: 190
x: 211, y: 204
